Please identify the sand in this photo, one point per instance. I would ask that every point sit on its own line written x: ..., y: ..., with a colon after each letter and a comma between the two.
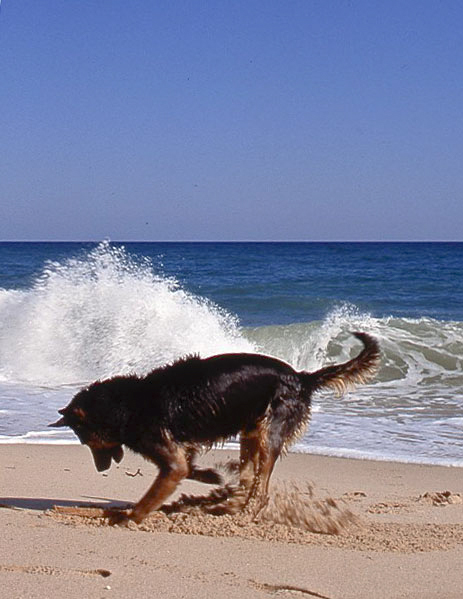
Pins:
x: 334, y: 528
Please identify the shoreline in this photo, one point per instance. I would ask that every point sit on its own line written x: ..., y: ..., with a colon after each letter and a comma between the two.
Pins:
x: 406, y: 538
x: 346, y: 454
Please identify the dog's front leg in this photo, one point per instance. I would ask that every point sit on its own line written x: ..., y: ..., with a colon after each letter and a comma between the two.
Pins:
x: 172, y: 470
x: 209, y: 476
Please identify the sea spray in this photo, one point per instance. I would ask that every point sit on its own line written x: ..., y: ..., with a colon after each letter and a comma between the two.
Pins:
x: 106, y: 313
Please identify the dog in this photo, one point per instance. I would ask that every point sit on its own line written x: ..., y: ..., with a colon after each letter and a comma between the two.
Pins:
x: 177, y: 410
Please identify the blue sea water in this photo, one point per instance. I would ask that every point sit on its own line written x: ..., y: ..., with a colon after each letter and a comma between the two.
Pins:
x: 71, y: 313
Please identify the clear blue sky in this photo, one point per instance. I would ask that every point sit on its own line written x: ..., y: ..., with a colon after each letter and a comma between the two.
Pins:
x: 230, y: 120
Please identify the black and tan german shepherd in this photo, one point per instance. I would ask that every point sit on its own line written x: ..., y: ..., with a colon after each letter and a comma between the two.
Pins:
x: 176, y: 410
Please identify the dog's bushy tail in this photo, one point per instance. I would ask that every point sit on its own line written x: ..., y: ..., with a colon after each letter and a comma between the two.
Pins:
x: 342, y: 377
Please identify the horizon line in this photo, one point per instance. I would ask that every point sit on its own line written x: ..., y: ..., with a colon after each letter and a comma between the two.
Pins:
x: 230, y: 240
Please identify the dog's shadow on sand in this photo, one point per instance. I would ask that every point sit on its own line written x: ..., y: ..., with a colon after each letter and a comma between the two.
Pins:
x: 43, y: 504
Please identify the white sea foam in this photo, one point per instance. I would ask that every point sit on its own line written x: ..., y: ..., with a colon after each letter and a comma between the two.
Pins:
x: 40, y: 438
x: 103, y: 314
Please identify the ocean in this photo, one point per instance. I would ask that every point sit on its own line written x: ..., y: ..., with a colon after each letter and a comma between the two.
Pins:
x: 71, y: 313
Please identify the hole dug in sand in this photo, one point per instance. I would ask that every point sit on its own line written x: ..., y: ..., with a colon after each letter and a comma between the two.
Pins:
x: 290, y: 513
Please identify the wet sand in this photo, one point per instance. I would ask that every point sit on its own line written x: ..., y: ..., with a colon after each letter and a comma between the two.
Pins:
x: 334, y: 528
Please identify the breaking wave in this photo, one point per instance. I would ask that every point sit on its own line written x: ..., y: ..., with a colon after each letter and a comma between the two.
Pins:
x: 103, y: 313
x: 419, y: 356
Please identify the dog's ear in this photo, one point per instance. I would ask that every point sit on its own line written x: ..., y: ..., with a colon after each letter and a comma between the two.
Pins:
x: 60, y: 422
x: 77, y: 414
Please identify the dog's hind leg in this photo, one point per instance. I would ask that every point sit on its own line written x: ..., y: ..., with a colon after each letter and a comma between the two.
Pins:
x: 173, y: 468
x: 275, y: 432
x: 256, y: 463
x: 268, y: 457
x: 287, y: 421
x: 249, y: 458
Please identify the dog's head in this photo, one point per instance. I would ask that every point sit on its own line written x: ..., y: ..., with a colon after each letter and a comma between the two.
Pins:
x: 90, y: 418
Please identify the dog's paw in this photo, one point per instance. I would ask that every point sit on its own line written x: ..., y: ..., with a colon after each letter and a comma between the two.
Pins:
x: 119, y: 518
x: 211, y: 477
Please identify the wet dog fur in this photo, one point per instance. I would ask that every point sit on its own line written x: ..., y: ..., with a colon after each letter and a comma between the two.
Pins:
x: 175, y: 411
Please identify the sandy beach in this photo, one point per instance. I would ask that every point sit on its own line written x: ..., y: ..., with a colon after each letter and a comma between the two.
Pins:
x: 399, y: 531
